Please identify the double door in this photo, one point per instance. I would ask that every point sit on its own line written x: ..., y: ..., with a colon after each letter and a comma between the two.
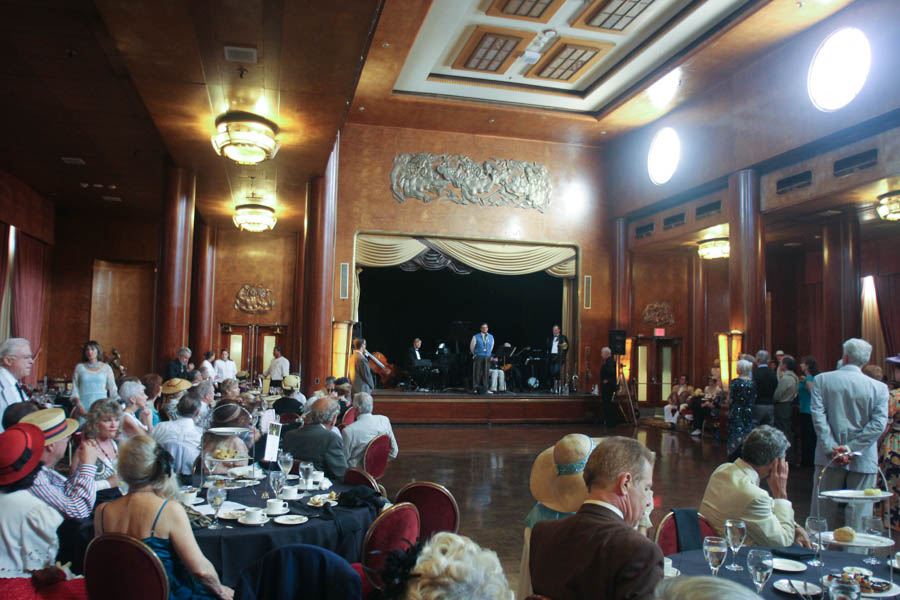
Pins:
x: 250, y: 346
x: 655, y: 363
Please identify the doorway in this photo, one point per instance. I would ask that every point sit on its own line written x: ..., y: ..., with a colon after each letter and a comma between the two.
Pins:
x: 250, y: 346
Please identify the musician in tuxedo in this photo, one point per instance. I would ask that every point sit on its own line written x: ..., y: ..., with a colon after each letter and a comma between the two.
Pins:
x: 557, y: 348
x: 481, y: 347
x: 413, y: 354
x: 608, y: 385
x: 363, y: 381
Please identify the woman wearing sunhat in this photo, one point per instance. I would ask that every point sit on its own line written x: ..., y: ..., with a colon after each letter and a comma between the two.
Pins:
x: 172, y: 391
x: 28, y: 540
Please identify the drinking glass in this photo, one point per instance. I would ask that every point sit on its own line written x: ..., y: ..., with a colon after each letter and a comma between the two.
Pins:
x: 216, y: 497
x: 816, y: 525
x: 735, y: 532
x: 715, y: 549
x: 285, y: 462
x: 760, y: 564
x: 276, y: 480
x: 210, y: 463
x: 843, y: 590
x: 873, y: 526
x: 306, y: 468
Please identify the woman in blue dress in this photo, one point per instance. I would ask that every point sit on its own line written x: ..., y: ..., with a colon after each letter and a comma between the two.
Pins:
x: 741, y: 397
x: 93, y: 379
x: 151, y: 513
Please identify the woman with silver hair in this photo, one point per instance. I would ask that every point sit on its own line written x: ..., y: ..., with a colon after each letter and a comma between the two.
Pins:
x: 135, y: 398
x: 702, y: 588
x: 741, y: 397
x: 148, y: 514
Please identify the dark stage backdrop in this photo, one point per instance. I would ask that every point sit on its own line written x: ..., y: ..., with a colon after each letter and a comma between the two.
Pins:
x: 396, y: 306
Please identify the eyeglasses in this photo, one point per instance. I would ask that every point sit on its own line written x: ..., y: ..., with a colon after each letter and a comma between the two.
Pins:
x: 14, y: 357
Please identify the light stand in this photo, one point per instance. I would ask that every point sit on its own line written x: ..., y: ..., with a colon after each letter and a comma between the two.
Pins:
x: 620, y: 380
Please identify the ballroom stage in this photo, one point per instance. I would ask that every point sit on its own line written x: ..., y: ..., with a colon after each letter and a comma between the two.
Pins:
x: 450, y: 407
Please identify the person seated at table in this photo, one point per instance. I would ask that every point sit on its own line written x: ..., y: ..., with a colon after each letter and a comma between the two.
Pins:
x: 316, y: 443
x: 206, y: 393
x: 101, y: 427
x: 153, y: 388
x: 734, y: 492
x: 597, y: 553
x: 231, y: 389
x: 453, y: 566
x: 289, y: 401
x: 702, y: 407
x: 181, y: 438
x: 702, y: 588
x: 28, y: 540
x: 364, y: 429
x: 135, y: 398
x: 172, y: 391
x: 15, y: 412
x: 151, y: 513
x: 344, y: 397
x: 671, y: 411
x: 229, y: 414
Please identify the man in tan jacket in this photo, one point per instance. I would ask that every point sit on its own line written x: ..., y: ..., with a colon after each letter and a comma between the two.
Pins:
x: 733, y: 492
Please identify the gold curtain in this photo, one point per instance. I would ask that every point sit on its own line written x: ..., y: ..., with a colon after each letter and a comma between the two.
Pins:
x: 504, y: 259
x: 564, y: 270
x: 386, y: 250
x: 871, y: 323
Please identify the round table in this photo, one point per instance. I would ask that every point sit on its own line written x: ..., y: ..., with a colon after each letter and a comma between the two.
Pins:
x: 693, y: 563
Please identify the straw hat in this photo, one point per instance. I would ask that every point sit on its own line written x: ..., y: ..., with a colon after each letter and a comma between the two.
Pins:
x: 21, y: 448
x: 556, y: 475
x: 290, y: 382
x: 53, y: 423
x: 173, y: 386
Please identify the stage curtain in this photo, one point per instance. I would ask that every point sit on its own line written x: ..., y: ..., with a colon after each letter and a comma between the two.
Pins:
x: 871, y: 323
x: 564, y: 270
x: 386, y: 250
x: 569, y: 307
x: 5, y: 290
x: 887, y: 289
x: 503, y: 259
x: 28, y: 293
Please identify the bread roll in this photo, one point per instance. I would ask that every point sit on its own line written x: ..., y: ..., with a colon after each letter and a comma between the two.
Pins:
x: 844, y: 534
x: 872, y: 492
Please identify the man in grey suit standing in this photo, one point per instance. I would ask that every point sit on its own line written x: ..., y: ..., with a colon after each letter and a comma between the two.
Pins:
x: 362, y: 374
x: 317, y: 443
x: 849, y: 413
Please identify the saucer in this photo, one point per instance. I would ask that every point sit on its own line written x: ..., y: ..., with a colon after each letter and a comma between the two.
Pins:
x: 291, y: 520
x: 809, y: 589
x: 231, y: 515
x: 284, y: 510
x: 243, y: 521
x: 293, y: 477
x: 322, y: 503
x: 283, y: 497
x: 787, y: 565
x: 194, y: 502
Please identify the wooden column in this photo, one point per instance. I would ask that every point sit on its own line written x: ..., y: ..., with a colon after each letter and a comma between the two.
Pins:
x: 299, y: 305
x: 747, y: 263
x: 175, y: 264
x: 622, y: 297
x: 203, y: 328
x: 697, y: 333
x: 841, y: 305
x: 318, y: 282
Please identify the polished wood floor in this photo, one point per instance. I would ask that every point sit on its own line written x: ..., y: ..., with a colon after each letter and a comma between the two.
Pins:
x: 487, y: 467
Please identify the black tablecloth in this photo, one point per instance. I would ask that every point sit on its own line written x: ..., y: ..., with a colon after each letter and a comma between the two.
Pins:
x: 235, y: 547
x: 693, y: 563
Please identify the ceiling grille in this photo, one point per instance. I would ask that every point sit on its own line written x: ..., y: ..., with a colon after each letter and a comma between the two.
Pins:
x: 527, y: 8
x: 568, y: 61
x: 491, y: 52
x: 617, y: 15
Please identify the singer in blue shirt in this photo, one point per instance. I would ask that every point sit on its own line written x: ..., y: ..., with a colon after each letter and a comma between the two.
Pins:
x: 481, y: 346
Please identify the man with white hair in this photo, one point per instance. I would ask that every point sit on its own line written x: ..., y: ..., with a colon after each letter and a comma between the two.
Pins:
x: 364, y: 429
x: 15, y: 364
x: 849, y: 413
x: 178, y: 368
x: 766, y: 382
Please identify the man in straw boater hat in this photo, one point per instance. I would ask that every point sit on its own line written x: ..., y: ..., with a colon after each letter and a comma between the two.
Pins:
x: 73, y: 497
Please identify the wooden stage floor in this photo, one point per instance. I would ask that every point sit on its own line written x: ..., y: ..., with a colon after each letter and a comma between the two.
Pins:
x: 487, y: 468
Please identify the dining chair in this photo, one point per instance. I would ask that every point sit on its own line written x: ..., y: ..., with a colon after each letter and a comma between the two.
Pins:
x: 289, y: 418
x: 349, y: 417
x: 438, y: 510
x: 114, y: 563
x: 299, y: 571
x: 356, y: 476
x: 667, y: 534
x: 396, y: 528
x: 375, y: 457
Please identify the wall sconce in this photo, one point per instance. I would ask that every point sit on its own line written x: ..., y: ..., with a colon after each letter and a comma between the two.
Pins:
x: 340, y: 347
x: 278, y: 330
x: 226, y: 328
x: 729, y: 353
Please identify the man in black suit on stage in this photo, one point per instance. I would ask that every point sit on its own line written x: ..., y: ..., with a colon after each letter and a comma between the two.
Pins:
x: 413, y: 354
x: 608, y: 385
x: 557, y: 348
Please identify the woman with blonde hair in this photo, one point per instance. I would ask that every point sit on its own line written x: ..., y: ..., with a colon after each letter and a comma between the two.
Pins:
x: 101, y: 428
x: 148, y: 514
x: 231, y: 389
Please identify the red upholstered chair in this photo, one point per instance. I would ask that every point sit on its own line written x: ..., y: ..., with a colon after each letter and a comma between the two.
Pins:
x: 354, y: 476
x: 536, y: 597
x: 349, y: 417
x: 114, y: 563
x: 289, y: 418
x: 438, y: 510
x: 375, y: 457
x: 395, y: 529
x: 667, y: 533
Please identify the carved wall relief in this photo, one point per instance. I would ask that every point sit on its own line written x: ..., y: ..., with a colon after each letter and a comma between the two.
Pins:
x: 659, y: 314
x: 254, y: 299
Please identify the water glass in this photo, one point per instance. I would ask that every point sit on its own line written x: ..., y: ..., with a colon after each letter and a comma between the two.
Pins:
x: 872, y: 526
x: 815, y: 526
x: 216, y: 497
x: 735, y: 532
x: 276, y: 481
x: 715, y: 549
x: 285, y: 462
x: 760, y: 564
x: 843, y: 590
x: 306, y: 468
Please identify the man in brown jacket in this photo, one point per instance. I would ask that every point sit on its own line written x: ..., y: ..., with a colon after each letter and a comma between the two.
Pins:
x: 597, y: 553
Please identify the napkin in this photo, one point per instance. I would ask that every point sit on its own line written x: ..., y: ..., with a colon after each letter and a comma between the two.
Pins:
x: 794, y: 552
x: 206, y: 509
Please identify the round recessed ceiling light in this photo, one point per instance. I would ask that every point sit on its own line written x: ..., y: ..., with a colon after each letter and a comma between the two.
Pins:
x: 662, y: 92
x: 665, y: 152
x: 839, y: 69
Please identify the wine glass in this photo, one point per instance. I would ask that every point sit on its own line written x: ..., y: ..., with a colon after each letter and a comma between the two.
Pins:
x: 285, y: 462
x: 216, y: 497
x: 277, y: 480
x: 210, y: 463
x: 841, y: 589
x: 306, y: 469
x: 873, y: 526
x: 816, y: 525
x: 715, y: 549
x: 735, y: 532
x: 760, y: 564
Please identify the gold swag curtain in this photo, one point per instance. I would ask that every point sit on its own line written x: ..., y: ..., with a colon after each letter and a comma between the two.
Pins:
x: 504, y: 259
x: 386, y: 250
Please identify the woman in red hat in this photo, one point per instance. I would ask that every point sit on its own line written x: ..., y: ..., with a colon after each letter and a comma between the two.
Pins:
x: 28, y: 540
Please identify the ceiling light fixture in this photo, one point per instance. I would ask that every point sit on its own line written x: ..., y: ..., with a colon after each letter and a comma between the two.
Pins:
x: 714, y: 248
x: 254, y: 215
x: 889, y: 206
x: 839, y: 69
x: 664, y: 154
x: 245, y: 138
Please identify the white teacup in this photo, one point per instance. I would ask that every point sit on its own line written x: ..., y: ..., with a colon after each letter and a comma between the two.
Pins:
x: 289, y: 492
x: 276, y: 506
x: 317, y: 477
x: 189, y: 495
x: 667, y: 563
x: 254, y: 514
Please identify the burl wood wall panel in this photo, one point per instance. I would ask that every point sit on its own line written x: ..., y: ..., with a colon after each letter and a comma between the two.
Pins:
x: 79, y: 240
x: 759, y: 112
x: 784, y: 277
x: 661, y: 277
x: 717, y: 310
x: 267, y: 259
x: 365, y: 203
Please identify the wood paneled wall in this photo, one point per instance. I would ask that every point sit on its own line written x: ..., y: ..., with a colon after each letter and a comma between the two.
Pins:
x: 25, y: 209
x: 661, y: 277
x: 578, y: 213
x: 79, y: 240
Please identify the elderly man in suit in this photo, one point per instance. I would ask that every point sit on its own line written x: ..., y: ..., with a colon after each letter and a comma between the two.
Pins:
x: 734, y: 492
x: 849, y: 413
x: 316, y: 442
x: 364, y: 429
x: 362, y: 374
x: 766, y: 381
x: 15, y: 364
x: 597, y: 553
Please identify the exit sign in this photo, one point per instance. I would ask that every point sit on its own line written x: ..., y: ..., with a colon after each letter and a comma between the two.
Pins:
x: 659, y: 332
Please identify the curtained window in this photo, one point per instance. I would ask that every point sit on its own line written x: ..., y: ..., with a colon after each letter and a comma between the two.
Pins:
x: 7, y: 254
x: 28, y: 293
